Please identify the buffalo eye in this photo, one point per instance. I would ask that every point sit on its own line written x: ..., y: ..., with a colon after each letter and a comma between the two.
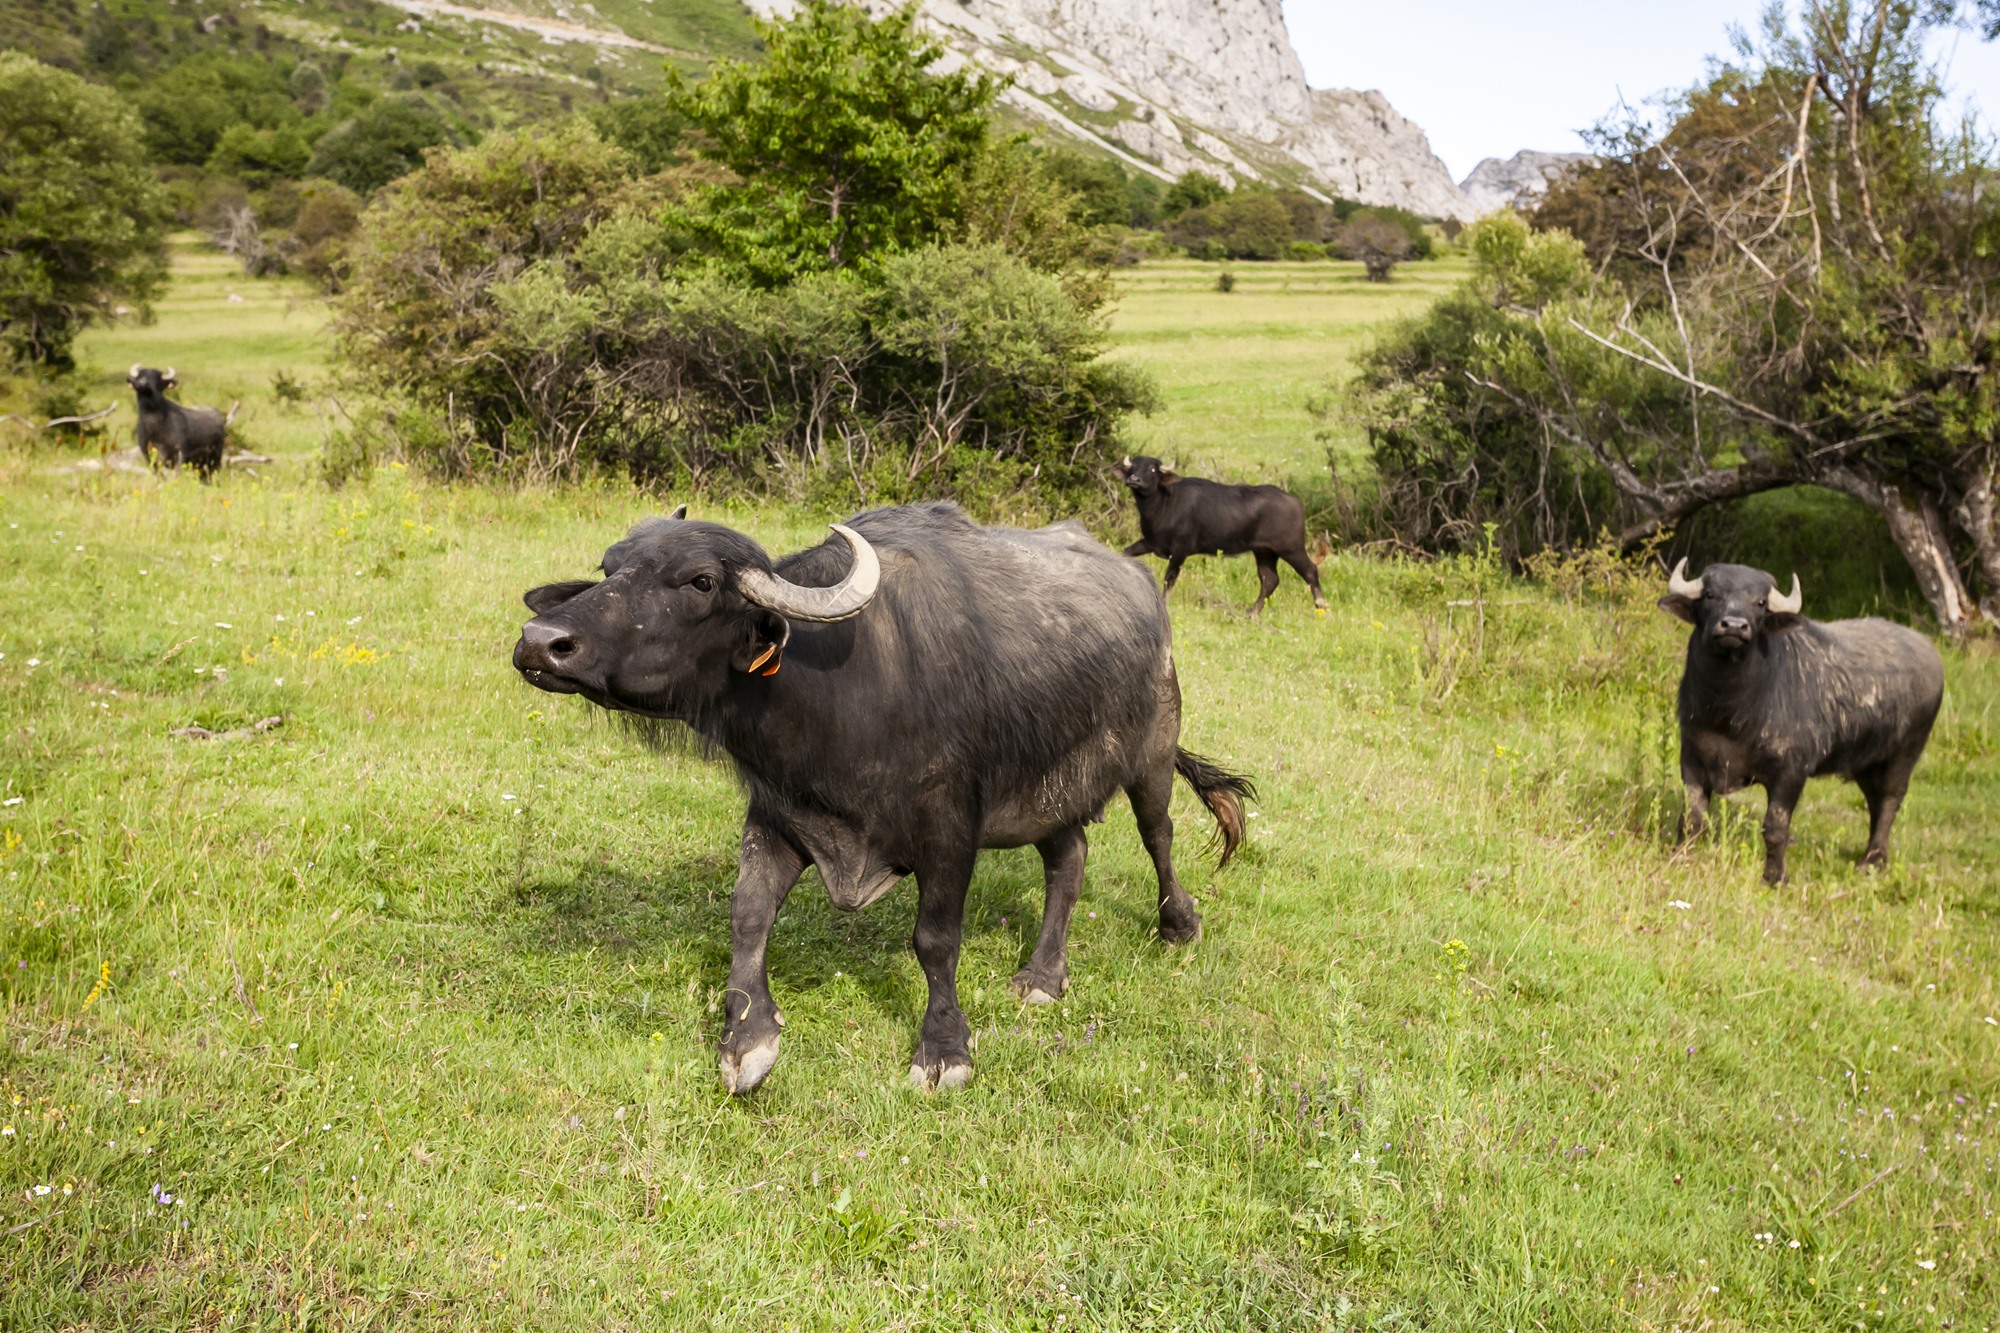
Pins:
x: 702, y: 583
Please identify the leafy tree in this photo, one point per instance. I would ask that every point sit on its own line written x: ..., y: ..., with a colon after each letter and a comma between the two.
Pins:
x: 82, y: 223
x: 1194, y: 189
x: 1249, y: 224
x: 1379, y: 242
x: 385, y: 140
x: 1791, y: 285
x: 845, y: 144
x: 308, y: 85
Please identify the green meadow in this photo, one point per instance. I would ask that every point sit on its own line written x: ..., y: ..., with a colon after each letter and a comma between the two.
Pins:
x: 391, y: 1002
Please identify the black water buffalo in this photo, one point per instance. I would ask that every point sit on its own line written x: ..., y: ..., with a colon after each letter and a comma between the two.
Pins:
x: 1772, y: 698
x: 1184, y: 516
x: 170, y: 433
x: 894, y: 701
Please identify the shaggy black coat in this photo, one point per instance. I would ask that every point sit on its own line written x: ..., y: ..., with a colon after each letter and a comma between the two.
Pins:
x: 1770, y: 698
x: 172, y: 434
x: 998, y: 689
x: 1184, y: 516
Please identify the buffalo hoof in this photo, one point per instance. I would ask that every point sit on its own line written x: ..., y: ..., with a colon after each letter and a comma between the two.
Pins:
x: 745, y: 1066
x: 1031, y: 989
x: 1874, y: 860
x: 1180, y: 934
x: 950, y: 1074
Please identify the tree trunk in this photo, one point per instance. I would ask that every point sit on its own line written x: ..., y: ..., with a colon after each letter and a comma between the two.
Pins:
x: 1978, y: 513
x: 1919, y: 533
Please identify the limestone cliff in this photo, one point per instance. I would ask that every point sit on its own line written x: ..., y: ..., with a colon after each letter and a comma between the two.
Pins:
x: 1517, y: 182
x: 1174, y: 85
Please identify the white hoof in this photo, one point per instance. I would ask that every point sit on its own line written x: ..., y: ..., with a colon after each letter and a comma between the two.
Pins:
x: 1036, y: 995
x: 950, y: 1076
x: 744, y: 1071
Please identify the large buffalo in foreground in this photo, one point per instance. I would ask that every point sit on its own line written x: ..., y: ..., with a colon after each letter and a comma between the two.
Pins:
x: 170, y: 433
x: 1184, y: 516
x: 1772, y: 698
x: 894, y: 701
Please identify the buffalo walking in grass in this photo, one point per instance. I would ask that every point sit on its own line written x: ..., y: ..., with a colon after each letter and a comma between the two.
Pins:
x: 894, y: 701
x: 1184, y: 516
x: 170, y: 433
x: 1771, y: 698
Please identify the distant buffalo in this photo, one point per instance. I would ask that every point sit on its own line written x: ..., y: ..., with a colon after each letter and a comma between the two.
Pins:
x: 1184, y: 516
x: 895, y: 700
x: 1771, y: 698
x: 172, y: 434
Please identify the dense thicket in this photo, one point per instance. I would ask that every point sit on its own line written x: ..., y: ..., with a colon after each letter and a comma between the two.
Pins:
x: 1796, y: 282
x: 891, y: 301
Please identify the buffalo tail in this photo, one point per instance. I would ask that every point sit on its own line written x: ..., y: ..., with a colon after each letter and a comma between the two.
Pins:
x: 1222, y: 792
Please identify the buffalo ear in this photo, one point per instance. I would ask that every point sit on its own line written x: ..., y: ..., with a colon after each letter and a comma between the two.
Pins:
x: 1168, y: 478
x: 1680, y: 608
x: 765, y: 635
x: 1782, y: 622
x: 549, y: 596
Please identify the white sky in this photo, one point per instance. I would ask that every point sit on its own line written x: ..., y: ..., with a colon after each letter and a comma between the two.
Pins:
x: 1486, y: 78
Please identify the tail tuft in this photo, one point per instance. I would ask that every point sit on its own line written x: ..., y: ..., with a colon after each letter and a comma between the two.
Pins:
x: 1223, y: 793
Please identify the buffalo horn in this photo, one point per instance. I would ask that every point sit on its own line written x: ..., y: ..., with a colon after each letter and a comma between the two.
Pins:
x: 171, y: 378
x: 133, y: 373
x: 1678, y: 581
x: 842, y: 600
x: 1786, y: 605
x: 680, y: 512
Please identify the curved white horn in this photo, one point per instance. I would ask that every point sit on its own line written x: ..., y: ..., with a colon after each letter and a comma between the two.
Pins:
x: 170, y: 376
x: 133, y: 373
x: 1678, y: 582
x: 842, y: 600
x: 680, y: 512
x: 1786, y: 605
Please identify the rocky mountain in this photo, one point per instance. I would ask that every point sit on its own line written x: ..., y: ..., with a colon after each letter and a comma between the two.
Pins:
x: 1517, y: 182
x: 1176, y: 85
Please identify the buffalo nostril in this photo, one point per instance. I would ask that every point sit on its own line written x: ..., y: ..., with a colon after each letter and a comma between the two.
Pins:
x: 562, y: 647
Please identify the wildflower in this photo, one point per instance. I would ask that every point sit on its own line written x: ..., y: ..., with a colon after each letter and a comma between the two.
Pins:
x: 40, y: 1190
x: 1927, y: 1264
x: 103, y: 980
x: 1680, y: 905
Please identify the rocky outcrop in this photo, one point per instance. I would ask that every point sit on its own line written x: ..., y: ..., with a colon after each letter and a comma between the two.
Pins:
x: 1517, y: 182
x: 1177, y: 85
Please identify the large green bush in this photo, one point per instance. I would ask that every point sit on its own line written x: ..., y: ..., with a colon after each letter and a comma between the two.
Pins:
x: 532, y: 296
x: 82, y: 222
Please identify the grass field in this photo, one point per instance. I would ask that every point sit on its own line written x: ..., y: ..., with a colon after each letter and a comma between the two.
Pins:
x: 399, y: 1013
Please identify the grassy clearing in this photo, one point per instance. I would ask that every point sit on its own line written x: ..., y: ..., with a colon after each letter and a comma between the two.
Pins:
x: 1236, y: 368
x: 409, y: 1001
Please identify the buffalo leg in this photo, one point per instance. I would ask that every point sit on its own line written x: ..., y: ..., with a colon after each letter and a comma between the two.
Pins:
x: 1046, y: 976
x: 1139, y: 548
x: 1884, y: 787
x: 1308, y: 571
x: 766, y: 869
x: 1267, y: 579
x: 943, y: 1056
x: 1152, y: 801
x: 1696, y: 818
x: 1780, y: 797
x: 1174, y: 564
